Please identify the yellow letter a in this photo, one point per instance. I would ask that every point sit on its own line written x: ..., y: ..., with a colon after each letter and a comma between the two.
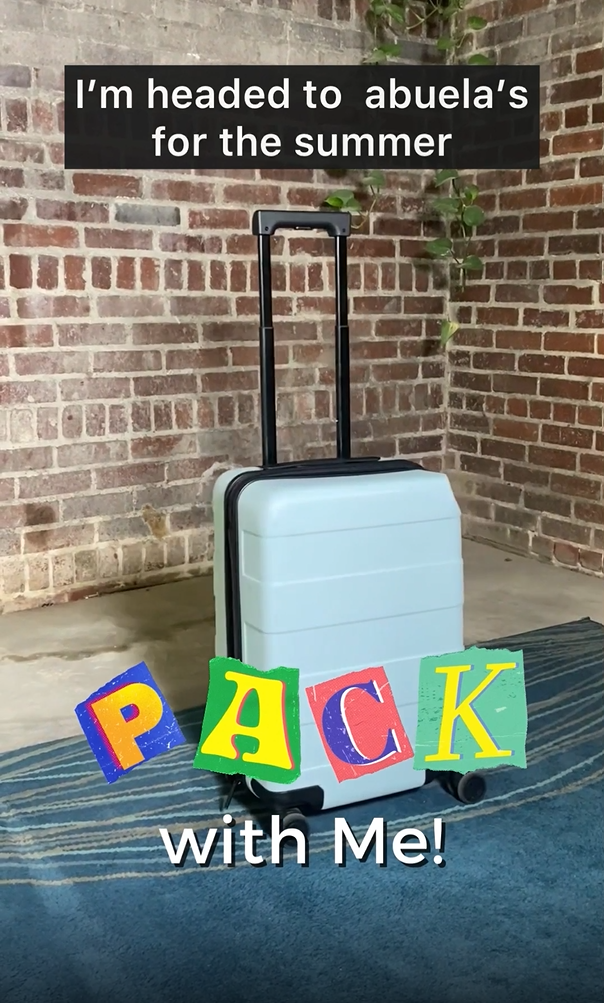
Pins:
x: 271, y: 730
x: 466, y: 713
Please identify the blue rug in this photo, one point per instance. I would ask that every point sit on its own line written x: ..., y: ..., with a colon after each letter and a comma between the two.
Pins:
x: 92, y: 910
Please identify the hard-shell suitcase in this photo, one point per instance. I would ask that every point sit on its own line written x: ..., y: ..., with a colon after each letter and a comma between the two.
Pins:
x: 334, y: 566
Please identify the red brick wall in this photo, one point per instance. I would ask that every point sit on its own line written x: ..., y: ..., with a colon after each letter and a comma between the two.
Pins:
x: 128, y: 352
x: 527, y: 376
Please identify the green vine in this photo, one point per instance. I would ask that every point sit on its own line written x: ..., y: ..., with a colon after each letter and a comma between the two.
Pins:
x: 457, y: 209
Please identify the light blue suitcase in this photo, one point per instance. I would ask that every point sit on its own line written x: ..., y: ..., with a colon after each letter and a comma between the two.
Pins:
x: 335, y: 566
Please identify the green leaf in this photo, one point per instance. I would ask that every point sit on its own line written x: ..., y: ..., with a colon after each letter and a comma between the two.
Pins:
x: 476, y: 23
x: 353, y: 205
x: 471, y: 193
x: 439, y: 247
x: 447, y: 206
x: 394, y: 12
x: 479, y: 60
x: 445, y: 175
x: 447, y: 329
x: 334, y: 201
x: 388, y: 49
x: 472, y: 263
x: 375, y: 179
x: 473, y: 216
x: 450, y: 10
x: 444, y: 44
x: 343, y: 194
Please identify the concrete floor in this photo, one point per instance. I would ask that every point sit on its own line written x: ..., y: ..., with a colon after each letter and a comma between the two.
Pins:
x: 52, y: 658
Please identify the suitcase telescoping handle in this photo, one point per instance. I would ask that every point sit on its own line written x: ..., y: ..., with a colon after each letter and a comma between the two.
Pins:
x: 337, y: 225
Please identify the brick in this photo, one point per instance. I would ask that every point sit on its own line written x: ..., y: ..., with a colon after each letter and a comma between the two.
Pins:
x: 545, y: 318
x: 112, y: 185
x: 590, y: 61
x: 43, y: 540
x: 50, y: 363
x: 131, y: 306
x: 495, y: 315
x: 572, y: 91
x: 566, y: 389
x: 517, y: 293
x: 564, y: 531
x: 126, y: 362
x: 20, y: 273
x: 149, y: 274
x: 26, y: 392
x: 126, y: 273
x: 95, y: 419
x: 164, y: 333
x: 54, y: 485
x: 590, y: 319
x: 197, y: 359
x: 525, y: 198
x: 548, y: 221
x: 16, y: 116
x: 96, y: 388
x: 581, y: 487
x: 591, y: 561
x: 114, y: 239
x: 197, y: 306
x: 576, y: 117
x: 480, y: 465
x: 556, y: 459
x: 566, y: 554
x: 47, y: 276
x: 163, y: 446
x: 73, y: 272
x: 72, y: 212
x: 129, y: 475
x: 12, y: 208
x: 147, y: 215
x: 183, y: 191
x: 151, y: 386
x: 585, y: 243
x: 91, y: 334
x: 15, y: 76
x: 586, y: 366
x: 26, y: 235
x: 567, y: 294
x: 561, y: 435
x: 219, y: 219
x: 592, y: 167
x: 12, y: 177
x: 590, y: 219
x: 521, y: 430
x: 586, y: 194
x: 88, y: 454
x: 558, y: 341
x: 542, y: 502
x: 580, y: 142
x: 591, y: 513
x: 101, y: 272
x: 19, y: 460
x: 32, y: 307
x: 186, y: 243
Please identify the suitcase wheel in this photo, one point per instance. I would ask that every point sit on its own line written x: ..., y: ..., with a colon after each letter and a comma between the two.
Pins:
x: 469, y: 788
x: 295, y: 819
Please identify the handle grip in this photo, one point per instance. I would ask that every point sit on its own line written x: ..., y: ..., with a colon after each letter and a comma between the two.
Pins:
x: 337, y: 224
x: 265, y: 222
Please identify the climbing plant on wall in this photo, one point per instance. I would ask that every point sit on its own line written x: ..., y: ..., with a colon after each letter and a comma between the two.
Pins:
x: 456, y: 202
